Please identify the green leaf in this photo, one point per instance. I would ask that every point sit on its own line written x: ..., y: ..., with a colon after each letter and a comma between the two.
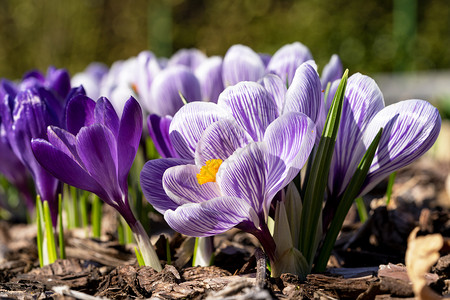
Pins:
x: 62, y: 247
x: 139, y: 258
x: 345, y: 203
x: 389, y: 187
x: 40, y: 237
x: 49, y: 234
x: 362, y: 210
x: 318, y: 176
x: 96, y: 217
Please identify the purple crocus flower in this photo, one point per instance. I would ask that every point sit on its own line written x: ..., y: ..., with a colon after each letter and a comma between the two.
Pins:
x: 91, y: 79
x: 234, y: 178
x: 27, y: 116
x: 190, y: 58
x: 332, y: 71
x: 96, y: 154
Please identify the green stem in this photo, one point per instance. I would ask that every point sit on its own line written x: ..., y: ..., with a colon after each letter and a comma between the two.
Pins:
x: 362, y: 211
x: 76, y: 217
x: 389, y: 187
x: 49, y: 234
x: 40, y: 238
x: 62, y: 247
x: 96, y: 217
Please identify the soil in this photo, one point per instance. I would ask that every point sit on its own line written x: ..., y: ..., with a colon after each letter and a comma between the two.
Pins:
x: 367, y: 262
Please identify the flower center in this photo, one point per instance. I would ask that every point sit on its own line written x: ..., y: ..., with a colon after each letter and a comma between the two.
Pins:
x: 208, y: 171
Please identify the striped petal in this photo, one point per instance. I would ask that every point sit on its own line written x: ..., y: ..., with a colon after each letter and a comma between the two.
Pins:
x: 220, y: 140
x: 276, y: 88
x: 289, y: 140
x: 210, y: 218
x: 241, y: 63
x: 181, y: 185
x: 151, y: 182
x: 332, y: 71
x: 305, y: 95
x: 242, y: 176
x: 252, y: 107
x: 363, y: 99
x: 410, y: 128
x: 287, y: 59
x: 166, y: 88
x: 209, y: 75
x: 189, y: 123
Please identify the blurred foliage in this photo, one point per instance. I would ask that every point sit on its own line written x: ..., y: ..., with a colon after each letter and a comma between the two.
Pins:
x: 370, y: 36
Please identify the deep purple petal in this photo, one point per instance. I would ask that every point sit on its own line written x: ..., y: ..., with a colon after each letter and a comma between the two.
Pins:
x: 181, y: 185
x: 97, y: 148
x: 209, y: 75
x: 158, y: 129
x: 220, y: 140
x: 105, y: 114
x: 242, y: 175
x: 166, y: 89
x: 251, y: 105
x: 189, y: 123
x: 130, y: 132
x: 275, y: 87
x: 79, y: 113
x: 287, y: 59
x: 59, y: 81
x: 63, y: 167
x: 241, y: 63
x: 410, y: 128
x: 363, y: 99
x: 151, y: 182
x: 290, y: 138
x: 332, y: 71
x: 209, y: 218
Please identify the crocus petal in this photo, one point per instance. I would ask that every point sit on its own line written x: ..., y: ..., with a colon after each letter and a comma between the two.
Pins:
x: 275, y: 87
x: 59, y: 81
x: 220, y: 140
x: 363, y: 99
x: 189, y: 123
x: 181, y: 185
x: 158, y: 129
x: 63, y: 167
x: 332, y: 71
x: 251, y: 105
x: 105, y: 114
x: 190, y: 58
x: 305, y: 95
x: 166, y: 89
x: 410, y: 128
x: 287, y: 59
x: 209, y: 75
x: 241, y: 63
x: 130, y: 132
x: 63, y: 141
x: 151, y: 182
x: 209, y: 218
x: 79, y: 113
x: 242, y: 176
x: 97, y: 148
x: 290, y: 138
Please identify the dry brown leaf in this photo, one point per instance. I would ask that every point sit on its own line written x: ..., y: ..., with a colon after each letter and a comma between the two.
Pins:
x: 422, y: 253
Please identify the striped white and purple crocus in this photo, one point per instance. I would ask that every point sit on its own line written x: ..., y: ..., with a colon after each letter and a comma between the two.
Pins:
x: 410, y: 128
x: 26, y: 111
x: 95, y: 153
x: 234, y: 156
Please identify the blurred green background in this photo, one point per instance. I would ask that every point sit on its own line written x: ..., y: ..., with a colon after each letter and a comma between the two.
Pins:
x: 370, y: 36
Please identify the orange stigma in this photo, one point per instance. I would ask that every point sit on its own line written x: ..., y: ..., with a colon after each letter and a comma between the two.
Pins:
x: 208, y: 171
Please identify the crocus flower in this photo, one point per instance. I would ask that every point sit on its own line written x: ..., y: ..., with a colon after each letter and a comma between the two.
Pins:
x: 410, y: 129
x: 96, y: 154
x: 91, y: 79
x: 27, y: 116
x: 234, y: 178
x: 190, y: 58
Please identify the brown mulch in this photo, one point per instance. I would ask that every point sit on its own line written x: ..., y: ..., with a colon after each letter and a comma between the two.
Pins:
x: 367, y: 263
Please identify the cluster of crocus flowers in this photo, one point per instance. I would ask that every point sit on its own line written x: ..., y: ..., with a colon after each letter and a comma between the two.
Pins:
x: 26, y: 110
